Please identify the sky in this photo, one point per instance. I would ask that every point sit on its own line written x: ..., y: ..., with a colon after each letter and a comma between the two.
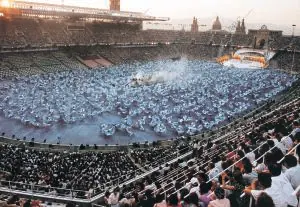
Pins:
x: 283, y: 12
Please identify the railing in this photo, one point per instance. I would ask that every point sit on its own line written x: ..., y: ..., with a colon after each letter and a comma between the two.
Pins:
x: 201, y: 163
x: 296, y: 191
x: 45, y: 191
x: 252, y: 150
x: 236, y: 162
x: 97, y: 205
x: 262, y: 156
x: 294, y: 148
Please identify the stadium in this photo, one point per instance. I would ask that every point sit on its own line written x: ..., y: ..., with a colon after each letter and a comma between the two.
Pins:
x: 96, y: 110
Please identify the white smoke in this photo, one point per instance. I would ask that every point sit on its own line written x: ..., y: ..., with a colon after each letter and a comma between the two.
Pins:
x: 174, y: 71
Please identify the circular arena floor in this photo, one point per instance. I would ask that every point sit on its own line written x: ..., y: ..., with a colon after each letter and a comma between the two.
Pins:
x: 105, y: 106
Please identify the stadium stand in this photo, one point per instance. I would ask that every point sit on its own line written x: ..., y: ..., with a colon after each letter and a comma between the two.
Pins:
x: 191, y: 171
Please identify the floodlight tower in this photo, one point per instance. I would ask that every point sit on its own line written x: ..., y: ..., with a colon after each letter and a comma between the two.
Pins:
x: 293, y: 33
x: 114, y: 5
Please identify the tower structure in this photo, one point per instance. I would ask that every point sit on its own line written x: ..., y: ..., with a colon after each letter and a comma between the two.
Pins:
x: 114, y: 5
x: 243, y: 27
x: 240, y: 28
x: 217, y: 24
x: 195, y: 26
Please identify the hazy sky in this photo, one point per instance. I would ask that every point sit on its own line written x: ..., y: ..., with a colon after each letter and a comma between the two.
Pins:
x: 264, y: 11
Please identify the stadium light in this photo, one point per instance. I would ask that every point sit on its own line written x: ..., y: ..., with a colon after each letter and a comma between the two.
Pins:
x: 5, y: 3
x: 293, y: 29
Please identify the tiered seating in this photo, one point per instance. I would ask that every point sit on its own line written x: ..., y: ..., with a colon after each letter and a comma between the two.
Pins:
x: 242, y: 40
x: 43, y: 59
x: 81, y: 37
x: 288, y: 61
x: 76, y: 171
x: 54, y: 68
x: 6, y: 71
x: 30, y: 29
x: 23, y: 65
x: 203, y: 37
x: 14, y: 200
x: 281, y: 42
x: 28, y: 71
x: 69, y: 62
x: 156, y: 156
x: 56, y: 31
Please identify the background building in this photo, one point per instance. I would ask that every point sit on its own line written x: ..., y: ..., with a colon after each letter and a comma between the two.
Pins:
x: 115, y: 5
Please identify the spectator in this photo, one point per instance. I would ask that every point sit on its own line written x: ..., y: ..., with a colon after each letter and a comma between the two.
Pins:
x: 280, y: 182
x: 114, y: 197
x: 193, y: 200
x: 249, y: 175
x: 260, y: 167
x: 148, y: 200
x: 236, y: 186
x: 249, y: 154
x: 220, y: 201
x: 274, y: 142
x: 293, y: 170
x: 183, y: 196
x: 195, y: 187
x: 212, y: 171
x: 159, y: 201
x: 204, y: 194
x: 272, y: 189
x: 287, y: 141
x: 296, y: 128
x: 106, y: 198
x: 173, y: 201
x: 239, y: 156
x: 264, y: 200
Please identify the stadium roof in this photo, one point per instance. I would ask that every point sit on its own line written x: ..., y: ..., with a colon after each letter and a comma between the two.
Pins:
x: 26, y: 8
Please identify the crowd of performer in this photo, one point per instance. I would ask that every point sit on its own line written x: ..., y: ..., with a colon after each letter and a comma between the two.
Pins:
x: 182, y: 98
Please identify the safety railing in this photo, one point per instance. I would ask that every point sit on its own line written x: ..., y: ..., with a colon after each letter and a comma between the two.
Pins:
x: 251, y: 151
x: 46, y: 191
x: 291, y: 151
x: 199, y: 163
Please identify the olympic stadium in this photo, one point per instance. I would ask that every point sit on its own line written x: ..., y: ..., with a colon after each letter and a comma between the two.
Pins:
x: 96, y: 110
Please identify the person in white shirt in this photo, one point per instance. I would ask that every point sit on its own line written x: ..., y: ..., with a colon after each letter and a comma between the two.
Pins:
x: 249, y: 154
x: 195, y: 188
x: 287, y: 142
x: 293, y: 170
x: 193, y: 180
x: 296, y: 128
x: 213, y: 171
x: 280, y: 183
x: 260, y: 166
x: 278, y: 144
x: 113, y: 199
x: 249, y: 175
x: 265, y: 181
x: 218, y: 163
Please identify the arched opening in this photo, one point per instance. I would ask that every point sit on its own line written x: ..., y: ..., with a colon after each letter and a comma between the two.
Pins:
x: 261, y: 43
